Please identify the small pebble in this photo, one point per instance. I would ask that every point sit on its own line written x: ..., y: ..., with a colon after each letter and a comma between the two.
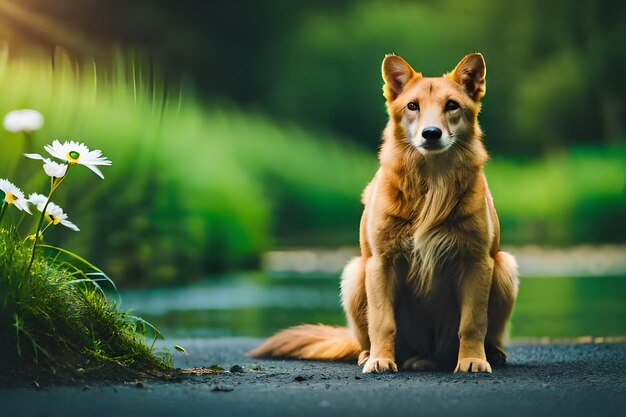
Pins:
x: 236, y: 369
x: 221, y: 388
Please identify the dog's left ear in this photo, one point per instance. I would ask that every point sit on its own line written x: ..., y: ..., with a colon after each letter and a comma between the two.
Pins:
x: 471, y: 73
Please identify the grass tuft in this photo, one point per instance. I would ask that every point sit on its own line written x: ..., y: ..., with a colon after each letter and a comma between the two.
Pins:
x: 52, y: 323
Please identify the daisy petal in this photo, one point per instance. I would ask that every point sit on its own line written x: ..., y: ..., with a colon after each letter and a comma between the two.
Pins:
x: 54, y: 169
x: 95, y: 154
x: 22, y: 204
x: 70, y: 225
x: 94, y: 169
x: 5, y: 184
x: 38, y: 200
x: 100, y: 161
x: 34, y: 156
x: 56, y: 150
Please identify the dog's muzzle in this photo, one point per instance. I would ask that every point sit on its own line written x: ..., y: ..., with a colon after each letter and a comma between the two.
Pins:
x: 432, y: 138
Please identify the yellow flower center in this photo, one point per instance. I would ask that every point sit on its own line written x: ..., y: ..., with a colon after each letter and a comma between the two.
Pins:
x: 52, y: 219
x: 72, y: 157
x: 10, y: 198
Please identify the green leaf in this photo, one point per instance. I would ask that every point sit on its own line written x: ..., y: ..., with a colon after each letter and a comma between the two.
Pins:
x: 181, y: 349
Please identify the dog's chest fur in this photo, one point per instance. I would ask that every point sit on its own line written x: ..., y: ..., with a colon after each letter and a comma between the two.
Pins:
x: 430, y: 229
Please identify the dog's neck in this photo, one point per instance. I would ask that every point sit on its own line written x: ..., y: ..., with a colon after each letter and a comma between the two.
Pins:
x: 431, y: 184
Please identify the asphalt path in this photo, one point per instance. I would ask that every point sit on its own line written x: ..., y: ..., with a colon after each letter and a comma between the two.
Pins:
x: 540, y: 380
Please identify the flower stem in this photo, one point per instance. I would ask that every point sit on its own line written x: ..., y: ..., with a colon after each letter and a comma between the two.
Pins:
x: 45, y: 228
x: 54, y: 184
x: 39, y: 224
x: 4, y: 208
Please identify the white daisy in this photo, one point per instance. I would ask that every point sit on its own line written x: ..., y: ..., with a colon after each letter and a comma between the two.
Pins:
x: 74, y: 153
x: 54, y: 213
x: 13, y: 195
x: 54, y: 169
x: 26, y: 120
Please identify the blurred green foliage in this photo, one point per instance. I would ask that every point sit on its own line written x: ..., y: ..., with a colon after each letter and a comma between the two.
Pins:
x: 578, y: 196
x: 270, y: 137
x: 191, y: 189
x: 555, y: 69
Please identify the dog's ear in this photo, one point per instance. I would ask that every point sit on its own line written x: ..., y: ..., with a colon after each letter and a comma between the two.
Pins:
x: 396, y: 73
x: 471, y: 73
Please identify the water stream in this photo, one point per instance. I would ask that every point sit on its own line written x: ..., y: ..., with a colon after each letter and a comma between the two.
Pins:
x: 259, y: 304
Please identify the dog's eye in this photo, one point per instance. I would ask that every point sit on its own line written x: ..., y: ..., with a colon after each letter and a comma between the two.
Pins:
x: 413, y: 106
x: 452, y: 105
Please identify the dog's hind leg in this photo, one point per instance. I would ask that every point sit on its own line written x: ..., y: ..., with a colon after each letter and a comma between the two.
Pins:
x: 502, y: 297
x: 354, y: 301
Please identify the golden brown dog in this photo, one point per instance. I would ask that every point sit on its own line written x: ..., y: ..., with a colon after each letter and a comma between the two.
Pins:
x: 431, y: 289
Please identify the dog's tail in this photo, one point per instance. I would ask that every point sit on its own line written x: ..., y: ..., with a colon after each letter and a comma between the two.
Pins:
x: 310, y: 341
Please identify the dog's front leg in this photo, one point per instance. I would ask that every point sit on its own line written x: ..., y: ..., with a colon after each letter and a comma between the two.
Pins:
x: 473, y: 300
x: 380, y: 290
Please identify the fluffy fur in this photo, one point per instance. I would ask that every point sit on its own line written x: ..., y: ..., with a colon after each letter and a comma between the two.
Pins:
x: 431, y: 289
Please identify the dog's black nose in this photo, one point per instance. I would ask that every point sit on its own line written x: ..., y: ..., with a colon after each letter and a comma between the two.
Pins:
x: 431, y: 133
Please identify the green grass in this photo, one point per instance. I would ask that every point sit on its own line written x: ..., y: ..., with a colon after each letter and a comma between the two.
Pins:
x: 54, y: 321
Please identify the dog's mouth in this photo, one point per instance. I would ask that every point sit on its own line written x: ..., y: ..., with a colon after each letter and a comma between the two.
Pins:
x: 433, y: 146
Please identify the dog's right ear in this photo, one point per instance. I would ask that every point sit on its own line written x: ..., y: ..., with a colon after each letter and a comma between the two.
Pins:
x: 396, y: 73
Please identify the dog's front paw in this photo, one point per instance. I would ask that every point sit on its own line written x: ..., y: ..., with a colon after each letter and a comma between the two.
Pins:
x: 473, y: 365
x: 379, y: 365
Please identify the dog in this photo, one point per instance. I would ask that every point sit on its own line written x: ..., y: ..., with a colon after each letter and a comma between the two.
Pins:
x: 431, y: 289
